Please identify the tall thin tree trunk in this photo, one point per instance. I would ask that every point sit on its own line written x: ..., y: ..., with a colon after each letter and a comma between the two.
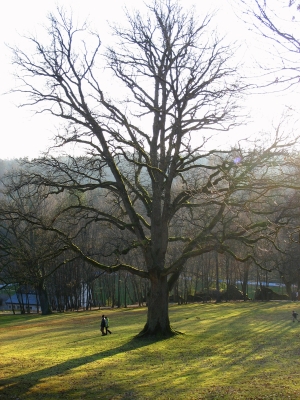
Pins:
x: 245, y: 280
x: 218, y: 299
x: 119, y: 291
x: 125, y: 290
x: 43, y: 298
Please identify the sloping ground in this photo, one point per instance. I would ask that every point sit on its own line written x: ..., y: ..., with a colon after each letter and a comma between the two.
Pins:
x: 228, y: 351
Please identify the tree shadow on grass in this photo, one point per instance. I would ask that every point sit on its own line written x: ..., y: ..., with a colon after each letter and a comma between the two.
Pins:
x: 14, y: 387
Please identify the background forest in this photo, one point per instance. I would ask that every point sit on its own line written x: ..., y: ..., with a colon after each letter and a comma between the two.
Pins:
x: 32, y: 259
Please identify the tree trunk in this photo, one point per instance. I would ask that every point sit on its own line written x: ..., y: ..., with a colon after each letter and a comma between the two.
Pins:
x: 245, y: 279
x: 218, y: 299
x: 288, y: 288
x: 43, y: 298
x: 119, y: 291
x: 158, y: 323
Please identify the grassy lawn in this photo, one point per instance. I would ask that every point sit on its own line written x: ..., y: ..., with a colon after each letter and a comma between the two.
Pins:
x: 227, y: 351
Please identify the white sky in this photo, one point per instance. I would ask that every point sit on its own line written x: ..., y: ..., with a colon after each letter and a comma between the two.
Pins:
x: 22, y: 133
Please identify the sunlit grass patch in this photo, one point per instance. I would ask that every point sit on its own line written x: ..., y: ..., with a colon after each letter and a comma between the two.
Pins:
x: 227, y: 351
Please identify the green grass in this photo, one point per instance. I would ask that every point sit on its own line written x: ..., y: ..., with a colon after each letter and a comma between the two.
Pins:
x: 228, y: 351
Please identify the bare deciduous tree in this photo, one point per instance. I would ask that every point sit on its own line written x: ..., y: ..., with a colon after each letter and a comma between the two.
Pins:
x: 28, y: 253
x: 277, y: 23
x: 177, y: 78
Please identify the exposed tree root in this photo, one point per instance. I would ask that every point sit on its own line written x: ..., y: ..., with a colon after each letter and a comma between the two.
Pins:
x: 158, y: 333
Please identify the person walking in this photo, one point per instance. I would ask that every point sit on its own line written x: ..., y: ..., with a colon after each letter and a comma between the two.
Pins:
x: 103, y: 325
x: 295, y: 316
x: 107, y: 325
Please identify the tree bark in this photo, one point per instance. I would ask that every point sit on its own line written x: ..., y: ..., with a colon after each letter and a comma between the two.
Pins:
x: 43, y: 299
x: 158, y: 323
x: 245, y: 280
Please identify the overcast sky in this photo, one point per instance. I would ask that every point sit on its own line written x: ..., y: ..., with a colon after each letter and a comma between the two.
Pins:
x: 25, y: 134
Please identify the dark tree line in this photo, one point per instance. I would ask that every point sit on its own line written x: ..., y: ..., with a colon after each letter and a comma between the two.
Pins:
x: 38, y: 259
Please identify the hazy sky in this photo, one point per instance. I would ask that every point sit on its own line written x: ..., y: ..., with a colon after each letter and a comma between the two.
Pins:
x: 25, y: 134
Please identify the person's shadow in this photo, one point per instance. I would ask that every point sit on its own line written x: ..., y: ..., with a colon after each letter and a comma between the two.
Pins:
x: 13, y: 387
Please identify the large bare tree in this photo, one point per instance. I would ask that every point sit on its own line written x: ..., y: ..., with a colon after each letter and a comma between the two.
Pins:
x: 28, y: 253
x: 145, y: 177
x: 277, y: 24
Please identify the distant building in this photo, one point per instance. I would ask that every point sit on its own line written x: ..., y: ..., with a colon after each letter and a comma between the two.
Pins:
x: 28, y: 302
